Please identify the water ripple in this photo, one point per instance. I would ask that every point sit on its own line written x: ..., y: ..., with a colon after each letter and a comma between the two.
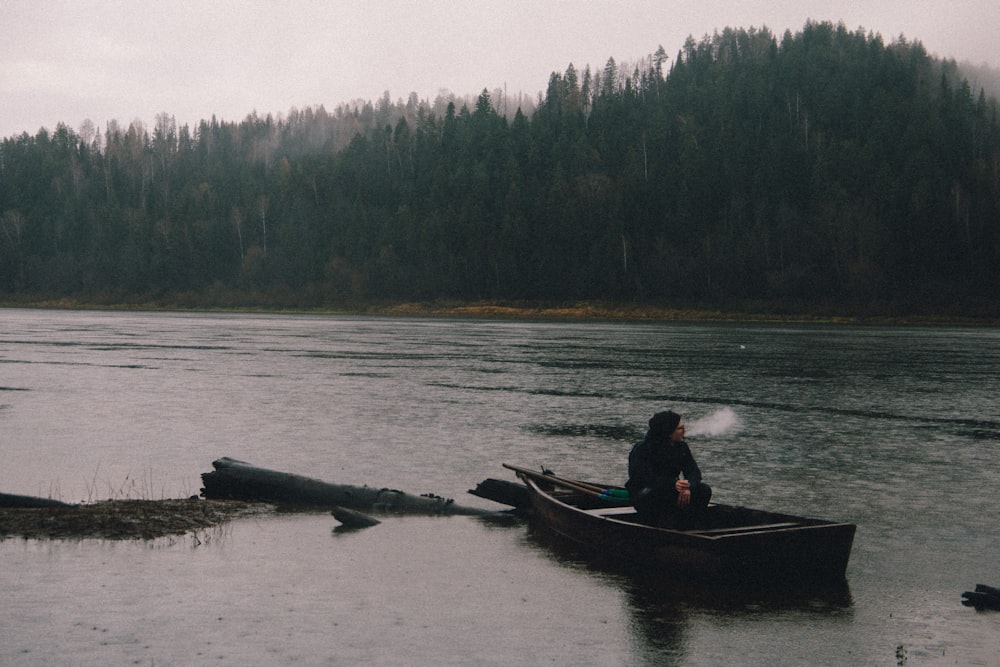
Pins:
x: 847, y: 412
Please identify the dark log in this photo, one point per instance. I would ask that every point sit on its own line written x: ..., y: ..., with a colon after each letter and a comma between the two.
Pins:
x: 981, y: 600
x: 238, y: 480
x: 503, y: 491
x: 989, y: 590
x: 11, y: 500
x: 984, y: 597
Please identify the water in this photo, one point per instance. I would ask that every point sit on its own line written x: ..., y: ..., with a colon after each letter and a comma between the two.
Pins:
x: 895, y: 430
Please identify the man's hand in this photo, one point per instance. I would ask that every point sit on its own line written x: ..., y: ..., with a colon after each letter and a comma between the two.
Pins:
x: 683, y: 493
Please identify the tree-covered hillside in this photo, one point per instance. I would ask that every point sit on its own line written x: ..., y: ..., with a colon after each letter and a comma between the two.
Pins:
x: 824, y: 166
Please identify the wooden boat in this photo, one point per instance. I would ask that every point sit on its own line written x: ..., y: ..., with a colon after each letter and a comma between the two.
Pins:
x: 725, y: 542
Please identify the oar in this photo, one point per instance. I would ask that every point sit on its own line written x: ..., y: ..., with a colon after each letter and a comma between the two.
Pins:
x: 592, y: 487
x: 558, y: 481
x: 583, y: 487
x: 607, y: 494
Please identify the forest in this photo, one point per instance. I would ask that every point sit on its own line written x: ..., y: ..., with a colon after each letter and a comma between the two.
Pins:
x: 821, y: 168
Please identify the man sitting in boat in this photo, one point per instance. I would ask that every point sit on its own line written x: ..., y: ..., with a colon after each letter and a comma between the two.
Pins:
x: 655, y: 466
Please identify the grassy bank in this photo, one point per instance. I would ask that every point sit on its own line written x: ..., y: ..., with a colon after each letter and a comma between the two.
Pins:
x: 123, y: 519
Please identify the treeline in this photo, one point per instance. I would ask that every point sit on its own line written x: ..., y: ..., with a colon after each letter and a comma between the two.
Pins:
x: 824, y: 166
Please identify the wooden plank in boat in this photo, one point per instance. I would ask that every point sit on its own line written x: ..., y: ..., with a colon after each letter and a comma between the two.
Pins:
x: 744, y: 529
x: 611, y: 511
x: 715, y: 532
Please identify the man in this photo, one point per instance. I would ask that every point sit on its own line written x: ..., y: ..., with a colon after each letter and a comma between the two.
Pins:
x: 655, y: 466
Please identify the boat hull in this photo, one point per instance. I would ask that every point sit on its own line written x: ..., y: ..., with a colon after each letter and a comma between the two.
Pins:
x: 734, y: 544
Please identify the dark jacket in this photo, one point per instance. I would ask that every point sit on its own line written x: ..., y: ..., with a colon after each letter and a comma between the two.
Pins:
x: 656, y: 463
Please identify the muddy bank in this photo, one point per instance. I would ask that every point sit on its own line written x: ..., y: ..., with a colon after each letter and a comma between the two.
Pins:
x: 123, y: 519
x: 586, y: 311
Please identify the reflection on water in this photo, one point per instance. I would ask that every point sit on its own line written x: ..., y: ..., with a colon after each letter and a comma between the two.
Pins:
x: 894, y: 430
x: 662, y: 608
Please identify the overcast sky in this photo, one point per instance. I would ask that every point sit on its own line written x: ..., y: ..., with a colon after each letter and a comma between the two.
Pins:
x: 70, y: 60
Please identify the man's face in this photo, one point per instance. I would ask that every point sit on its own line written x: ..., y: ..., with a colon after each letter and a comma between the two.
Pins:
x: 678, y: 434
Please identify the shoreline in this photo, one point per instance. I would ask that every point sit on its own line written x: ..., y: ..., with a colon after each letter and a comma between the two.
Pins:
x: 582, y: 311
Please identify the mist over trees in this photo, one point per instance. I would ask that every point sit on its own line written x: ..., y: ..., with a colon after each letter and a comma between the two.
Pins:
x: 820, y: 167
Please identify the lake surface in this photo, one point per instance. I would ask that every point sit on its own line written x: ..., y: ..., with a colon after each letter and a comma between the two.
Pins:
x: 894, y: 429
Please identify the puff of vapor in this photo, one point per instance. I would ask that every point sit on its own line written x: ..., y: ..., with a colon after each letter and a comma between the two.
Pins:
x: 720, y: 422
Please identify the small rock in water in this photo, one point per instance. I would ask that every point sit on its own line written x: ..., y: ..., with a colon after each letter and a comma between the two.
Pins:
x: 351, y: 519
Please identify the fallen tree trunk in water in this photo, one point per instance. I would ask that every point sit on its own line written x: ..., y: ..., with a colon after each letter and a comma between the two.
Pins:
x: 238, y: 480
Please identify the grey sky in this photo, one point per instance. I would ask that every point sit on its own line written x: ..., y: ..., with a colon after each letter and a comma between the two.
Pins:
x: 69, y: 60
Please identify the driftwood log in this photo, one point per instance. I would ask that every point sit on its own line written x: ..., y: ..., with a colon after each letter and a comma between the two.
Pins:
x: 238, y: 480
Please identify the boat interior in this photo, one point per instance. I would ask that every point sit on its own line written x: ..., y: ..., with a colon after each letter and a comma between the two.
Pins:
x: 716, y: 520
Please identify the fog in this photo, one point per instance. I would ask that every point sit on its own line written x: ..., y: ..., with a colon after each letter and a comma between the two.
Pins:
x: 71, y: 60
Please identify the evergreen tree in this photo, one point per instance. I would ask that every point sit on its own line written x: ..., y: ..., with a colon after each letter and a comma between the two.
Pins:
x: 823, y: 167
